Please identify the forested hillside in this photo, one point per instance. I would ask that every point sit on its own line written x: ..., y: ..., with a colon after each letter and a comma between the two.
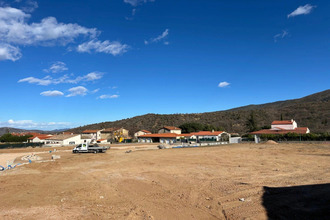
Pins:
x: 312, y: 111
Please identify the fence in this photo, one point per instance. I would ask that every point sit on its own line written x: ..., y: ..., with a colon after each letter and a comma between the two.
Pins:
x: 19, y: 145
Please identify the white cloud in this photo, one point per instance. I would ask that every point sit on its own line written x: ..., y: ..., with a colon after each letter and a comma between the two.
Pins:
x: 57, y: 67
x: 48, y: 80
x: 108, y: 96
x: 114, y: 47
x: 52, y: 93
x: 135, y: 3
x: 30, y: 124
x: 8, y: 52
x: 159, y: 38
x: 281, y: 35
x: 92, y: 76
x: 43, y: 82
x: 15, y: 29
x: 79, y: 90
x: 223, y: 84
x: 302, y: 10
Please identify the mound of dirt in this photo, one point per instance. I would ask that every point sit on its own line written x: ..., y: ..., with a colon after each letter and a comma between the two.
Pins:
x: 270, y: 142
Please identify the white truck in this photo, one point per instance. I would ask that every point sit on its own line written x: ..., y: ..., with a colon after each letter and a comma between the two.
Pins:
x: 89, y: 148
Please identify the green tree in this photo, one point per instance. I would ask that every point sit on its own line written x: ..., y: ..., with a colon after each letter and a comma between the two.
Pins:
x: 251, y: 123
x: 191, y: 127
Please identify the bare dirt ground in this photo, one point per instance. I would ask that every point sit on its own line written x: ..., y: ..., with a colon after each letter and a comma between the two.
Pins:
x: 222, y: 182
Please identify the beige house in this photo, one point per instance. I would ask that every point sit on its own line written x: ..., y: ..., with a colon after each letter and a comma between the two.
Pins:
x: 94, y: 134
x: 142, y: 132
x: 114, y: 134
x: 169, y: 129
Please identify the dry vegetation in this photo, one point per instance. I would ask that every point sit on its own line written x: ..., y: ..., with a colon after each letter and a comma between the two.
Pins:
x: 195, y: 183
x: 311, y: 111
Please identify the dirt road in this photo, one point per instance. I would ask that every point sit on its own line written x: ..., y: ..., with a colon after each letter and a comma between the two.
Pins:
x: 223, y: 182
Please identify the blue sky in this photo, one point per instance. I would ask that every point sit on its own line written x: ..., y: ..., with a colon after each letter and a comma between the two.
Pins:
x: 70, y: 63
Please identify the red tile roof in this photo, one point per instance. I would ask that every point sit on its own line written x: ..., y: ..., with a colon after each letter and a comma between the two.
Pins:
x: 207, y: 133
x: 90, y: 131
x: 285, y: 122
x: 171, y: 128
x: 301, y: 130
x: 163, y: 135
x: 40, y: 136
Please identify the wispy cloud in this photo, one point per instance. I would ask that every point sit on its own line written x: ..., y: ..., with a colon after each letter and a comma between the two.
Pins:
x: 135, y: 3
x: 79, y: 90
x: 57, y: 67
x: 48, y: 80
x: 158, y: 38
x: 43, y: 82
x: 302, y: 10
x: 114, y: 48
x: 281, y: 35
x: 108, y: 96
x: 95, y: 91
x: 30, y: 6
x: 30, y: 124
x: 52, y: 93
x: 9, y: 52
x: 223, y: 84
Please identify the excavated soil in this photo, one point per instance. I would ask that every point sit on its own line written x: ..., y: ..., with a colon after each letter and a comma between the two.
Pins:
x: 221, y: 182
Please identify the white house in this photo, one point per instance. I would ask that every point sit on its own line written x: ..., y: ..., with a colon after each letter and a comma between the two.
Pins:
x: 211, y: 136
x: 40, y: 138
x: 169, y: 129
x: 281, y: 128
x: 142, y: 132
x: 64, y: 139
x: 287, y: 125
x: 166, y: 138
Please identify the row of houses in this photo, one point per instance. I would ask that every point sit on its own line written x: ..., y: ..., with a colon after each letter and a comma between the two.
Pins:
x: 172, y: 135
x: 166, y: 135
x: 66, y: 138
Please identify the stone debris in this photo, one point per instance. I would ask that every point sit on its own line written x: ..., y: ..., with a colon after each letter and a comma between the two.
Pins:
x: 162, y: 146
x: 241, y: 199
x: 54, y: 157
x: 31, y: 157
x: 128, y: 151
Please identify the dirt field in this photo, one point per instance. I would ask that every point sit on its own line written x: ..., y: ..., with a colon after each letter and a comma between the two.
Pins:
x: 222, y: 182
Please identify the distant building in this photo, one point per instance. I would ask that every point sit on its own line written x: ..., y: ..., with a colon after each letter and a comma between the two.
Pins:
x: 169, y: 129
x: 172, y: 138
x: 166, y: 138
x: 114, y: 134
x: 142, y: 132
x: 281, y: 127
x: 94, y: 134
x: 38, y: 138
x: 64, y: 139
x: 211, y: 136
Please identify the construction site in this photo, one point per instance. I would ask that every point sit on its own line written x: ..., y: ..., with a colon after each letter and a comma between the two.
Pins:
x: 141, y: 181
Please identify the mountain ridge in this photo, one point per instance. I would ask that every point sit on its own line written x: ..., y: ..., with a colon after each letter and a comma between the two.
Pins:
x: 310, y: 111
